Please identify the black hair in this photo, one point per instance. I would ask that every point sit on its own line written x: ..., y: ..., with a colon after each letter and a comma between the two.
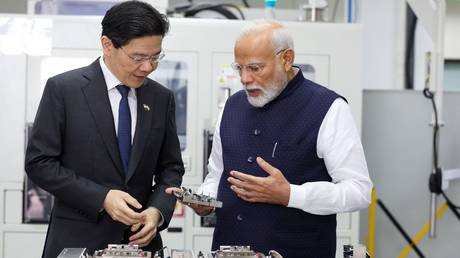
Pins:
x: 133, y: 19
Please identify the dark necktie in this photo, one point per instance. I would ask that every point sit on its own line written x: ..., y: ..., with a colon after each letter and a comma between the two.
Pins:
x: 124, y: 127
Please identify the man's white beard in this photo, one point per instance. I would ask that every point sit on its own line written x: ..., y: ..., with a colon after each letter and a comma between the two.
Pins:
x: 272, y: 89
x: 266, y: 96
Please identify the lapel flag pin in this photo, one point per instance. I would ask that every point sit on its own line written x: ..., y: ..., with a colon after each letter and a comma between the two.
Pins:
x: 146, y: 107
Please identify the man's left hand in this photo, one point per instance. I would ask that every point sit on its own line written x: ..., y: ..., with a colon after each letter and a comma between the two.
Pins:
x: 274, y: 188
x: 149, y: 226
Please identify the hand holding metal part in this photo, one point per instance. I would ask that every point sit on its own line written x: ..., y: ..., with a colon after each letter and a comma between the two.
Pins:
x: 202, y: 204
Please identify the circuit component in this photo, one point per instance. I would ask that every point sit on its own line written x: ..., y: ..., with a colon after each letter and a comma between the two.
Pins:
x: 188, y: 196
x: 122, y: 251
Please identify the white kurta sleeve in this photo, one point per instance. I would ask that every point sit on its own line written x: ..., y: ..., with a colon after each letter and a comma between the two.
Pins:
x: 340, y: 146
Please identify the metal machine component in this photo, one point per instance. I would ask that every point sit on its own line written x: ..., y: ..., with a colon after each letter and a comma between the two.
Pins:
x: 358, y: 251
x: 188, y: 196
x: 181, y: 253
x: 236, y: 252
x: 73, y: 253
x: 122, y: 251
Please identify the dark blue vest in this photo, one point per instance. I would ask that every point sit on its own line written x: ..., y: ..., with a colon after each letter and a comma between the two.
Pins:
x: 291, y: 122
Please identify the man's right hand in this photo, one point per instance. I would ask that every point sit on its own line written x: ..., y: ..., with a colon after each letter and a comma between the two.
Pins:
x: 201, y: 210
x: 116, y: 205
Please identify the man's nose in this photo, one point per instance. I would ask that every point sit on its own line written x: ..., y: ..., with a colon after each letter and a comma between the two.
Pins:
x: 148, y: 66
x: 246, y: 77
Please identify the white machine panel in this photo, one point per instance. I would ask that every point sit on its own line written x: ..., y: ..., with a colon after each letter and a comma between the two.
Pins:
x: 40, y: 68
x: 12, y: 200
x: 16, y: 242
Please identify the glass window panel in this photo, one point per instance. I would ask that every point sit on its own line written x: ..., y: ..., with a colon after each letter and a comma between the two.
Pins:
x: 73, y: 7
x: 452, y: 75
x: 174, y: 75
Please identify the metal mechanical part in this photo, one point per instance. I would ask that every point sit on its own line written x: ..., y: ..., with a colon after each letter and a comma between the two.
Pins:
x: 188, y: 196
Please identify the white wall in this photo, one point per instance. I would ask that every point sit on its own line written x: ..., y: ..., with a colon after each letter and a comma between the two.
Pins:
x: 382, y: 46
x: 452, y: 33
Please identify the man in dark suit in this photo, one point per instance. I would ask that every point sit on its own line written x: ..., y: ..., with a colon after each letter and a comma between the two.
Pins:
x: 104, y: 140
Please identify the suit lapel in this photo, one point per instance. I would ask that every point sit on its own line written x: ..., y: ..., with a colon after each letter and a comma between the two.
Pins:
x: 145, y: 111
x: 98, y: 101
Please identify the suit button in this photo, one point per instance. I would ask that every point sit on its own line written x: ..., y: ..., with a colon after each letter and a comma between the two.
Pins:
x: 251, y: 159
x: 257, y: 132
x: 239, y: 217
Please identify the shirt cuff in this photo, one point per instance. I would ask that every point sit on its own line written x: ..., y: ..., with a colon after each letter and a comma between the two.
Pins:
x: 162, y: 220
x: 297, y: 197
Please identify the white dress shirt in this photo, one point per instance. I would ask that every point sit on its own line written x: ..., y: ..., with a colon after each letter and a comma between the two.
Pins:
x: 115, y: 96
x: 340, y: 146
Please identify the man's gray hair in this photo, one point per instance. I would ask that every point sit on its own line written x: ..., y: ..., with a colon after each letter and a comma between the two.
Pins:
x: 281, y: 39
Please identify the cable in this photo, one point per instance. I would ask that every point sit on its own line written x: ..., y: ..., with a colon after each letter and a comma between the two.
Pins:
x: 430, y: 95
x: 190, y: 10
x: 246, y: 4
x: 236, y: 8
x: 219, y: 8
x: 179, y: 8
x: 411, y: 22
x: 435, y: 181
x: 451, y: 205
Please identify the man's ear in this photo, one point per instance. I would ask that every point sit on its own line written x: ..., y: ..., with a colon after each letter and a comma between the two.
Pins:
x: 107, y: 46
x: 288, y: 58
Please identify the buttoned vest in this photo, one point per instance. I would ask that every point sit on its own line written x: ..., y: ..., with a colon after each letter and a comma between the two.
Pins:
x: 284, y: 133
